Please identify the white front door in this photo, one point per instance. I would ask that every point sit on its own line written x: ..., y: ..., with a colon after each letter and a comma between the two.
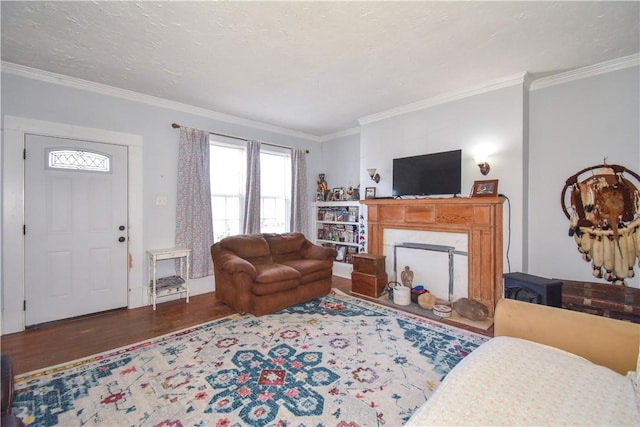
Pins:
x: 75, y: 228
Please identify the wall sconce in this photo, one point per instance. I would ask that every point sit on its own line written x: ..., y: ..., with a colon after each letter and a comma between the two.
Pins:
x: 374, y: 176
x: 482, y: 163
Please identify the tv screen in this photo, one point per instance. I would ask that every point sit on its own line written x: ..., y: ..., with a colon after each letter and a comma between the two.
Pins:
x: 428, y: 174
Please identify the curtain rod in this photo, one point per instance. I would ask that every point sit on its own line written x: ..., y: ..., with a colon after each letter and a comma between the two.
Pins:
x: 177, y: 126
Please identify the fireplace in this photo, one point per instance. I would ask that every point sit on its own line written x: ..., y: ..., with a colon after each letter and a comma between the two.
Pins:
x: 533, y: 289
x: 479, y: 219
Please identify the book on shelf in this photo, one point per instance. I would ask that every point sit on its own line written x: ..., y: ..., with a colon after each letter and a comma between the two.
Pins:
x: 352, y: 213
x: 348, y: 235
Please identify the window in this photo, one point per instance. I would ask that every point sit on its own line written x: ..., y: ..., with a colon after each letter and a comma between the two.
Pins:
x: 78, y: 160
x: 227, y: 166
x: 275, y: 192
x: 228, y: 172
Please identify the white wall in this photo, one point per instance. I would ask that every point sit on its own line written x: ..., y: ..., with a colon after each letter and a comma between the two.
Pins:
x: 341, y: 161
x: 574, y: 125
x: 541, y: 136
x: 47, y: 101
x: 493, y: 119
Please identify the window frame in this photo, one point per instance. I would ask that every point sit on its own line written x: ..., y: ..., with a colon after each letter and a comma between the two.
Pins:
x: 264, y: 150
x: 241, y: 191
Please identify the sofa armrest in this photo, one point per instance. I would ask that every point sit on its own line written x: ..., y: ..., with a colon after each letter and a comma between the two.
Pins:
x: 232, y: 263
x: 313, y: 251
x: 604, y: 341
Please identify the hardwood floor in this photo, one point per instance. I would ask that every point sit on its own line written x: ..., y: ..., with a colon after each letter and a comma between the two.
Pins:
x: 66, y: 340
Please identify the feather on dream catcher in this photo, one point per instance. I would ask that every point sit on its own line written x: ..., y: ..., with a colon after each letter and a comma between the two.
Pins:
x: 604, y: 214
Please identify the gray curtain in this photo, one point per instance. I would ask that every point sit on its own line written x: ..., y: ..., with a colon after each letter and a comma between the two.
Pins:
x: 299, y: 201
x: 194, y: 223
x: 252, y: 197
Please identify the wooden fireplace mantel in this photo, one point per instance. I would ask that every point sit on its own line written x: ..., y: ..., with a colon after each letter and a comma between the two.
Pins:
x: 479, y: 217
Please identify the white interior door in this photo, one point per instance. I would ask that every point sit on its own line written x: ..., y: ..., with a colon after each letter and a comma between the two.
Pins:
x: 75, y: 228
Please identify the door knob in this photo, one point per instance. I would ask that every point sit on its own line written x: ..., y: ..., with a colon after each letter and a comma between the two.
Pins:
x: 121, y: 239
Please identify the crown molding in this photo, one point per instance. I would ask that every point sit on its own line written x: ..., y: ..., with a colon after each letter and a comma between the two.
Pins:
x: 489, y: 86
x: 588, y: 71
x: 347, y: 132
x: 76, y: 83
x: 528, y: 80
x: 525, y: 78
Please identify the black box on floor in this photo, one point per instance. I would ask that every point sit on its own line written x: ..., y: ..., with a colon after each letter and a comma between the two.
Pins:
x: 534, y: 289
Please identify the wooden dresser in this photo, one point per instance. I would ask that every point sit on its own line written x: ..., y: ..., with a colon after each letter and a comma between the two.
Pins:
x: 479, y: 217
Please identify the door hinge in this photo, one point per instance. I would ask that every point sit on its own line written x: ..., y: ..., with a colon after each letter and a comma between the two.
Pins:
x: 24, y: 305
x: 24, y: 154
x: 24, y: 229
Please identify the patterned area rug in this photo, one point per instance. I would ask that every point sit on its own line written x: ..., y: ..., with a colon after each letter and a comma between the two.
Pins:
x: 335, y: 361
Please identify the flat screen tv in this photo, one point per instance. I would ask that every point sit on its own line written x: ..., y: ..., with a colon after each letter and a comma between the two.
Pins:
x: 428, y: 174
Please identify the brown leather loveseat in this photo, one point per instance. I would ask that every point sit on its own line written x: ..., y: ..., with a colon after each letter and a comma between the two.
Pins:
x: 264, y: 273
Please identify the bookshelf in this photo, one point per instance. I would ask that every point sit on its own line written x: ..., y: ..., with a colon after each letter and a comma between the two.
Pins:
x: 340, y: 225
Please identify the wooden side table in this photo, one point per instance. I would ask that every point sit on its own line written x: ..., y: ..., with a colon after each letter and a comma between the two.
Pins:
x: 369, y: 276
x: 171, y: 285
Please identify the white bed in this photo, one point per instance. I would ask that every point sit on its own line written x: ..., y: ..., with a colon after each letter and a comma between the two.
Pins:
x: 511, y: 381
x: 546, y: 366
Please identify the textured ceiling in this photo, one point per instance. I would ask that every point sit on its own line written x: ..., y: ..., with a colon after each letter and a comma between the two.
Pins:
x: 312, y: 67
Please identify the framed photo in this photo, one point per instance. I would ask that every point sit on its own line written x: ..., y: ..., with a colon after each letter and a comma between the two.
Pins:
x: 488, y: 188
x: 338, y: 194
x: 370, y: 193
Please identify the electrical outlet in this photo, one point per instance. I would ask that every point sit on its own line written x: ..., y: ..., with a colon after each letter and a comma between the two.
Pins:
x: 161, y: 201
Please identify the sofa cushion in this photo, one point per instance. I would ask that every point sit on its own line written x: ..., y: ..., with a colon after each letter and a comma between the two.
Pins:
x: 273, y: 278
x: 262, y: 289
x: 252, y: 247
x: 308, y: 266
x: 316, y: 276
x: 286, y: 246
x: 270, y: 273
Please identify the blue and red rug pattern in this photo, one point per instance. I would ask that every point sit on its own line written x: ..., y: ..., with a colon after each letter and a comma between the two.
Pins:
x: 334, y: 361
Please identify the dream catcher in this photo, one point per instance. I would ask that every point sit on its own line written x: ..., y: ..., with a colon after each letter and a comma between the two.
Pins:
x: 605, y: 220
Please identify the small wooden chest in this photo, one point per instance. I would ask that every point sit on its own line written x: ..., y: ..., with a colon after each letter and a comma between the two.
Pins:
x: 371, y: 285
x: 368, y: 263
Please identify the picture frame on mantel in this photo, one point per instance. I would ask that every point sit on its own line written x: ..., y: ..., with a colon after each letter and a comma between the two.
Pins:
x: 486, y: 188
x: 370, y: 193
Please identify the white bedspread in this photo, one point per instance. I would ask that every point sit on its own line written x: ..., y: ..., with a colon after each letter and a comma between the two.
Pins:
x: 509, y: 381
